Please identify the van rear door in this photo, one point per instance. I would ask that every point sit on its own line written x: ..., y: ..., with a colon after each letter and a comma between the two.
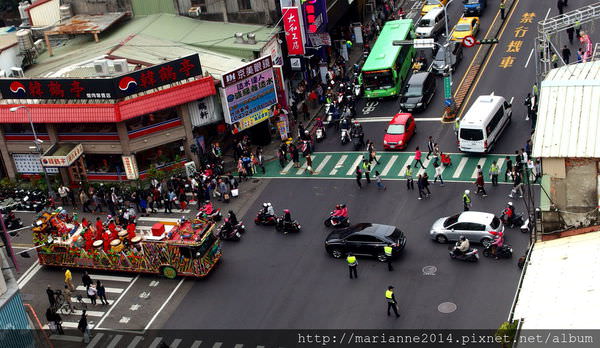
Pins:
x: 471, y: 139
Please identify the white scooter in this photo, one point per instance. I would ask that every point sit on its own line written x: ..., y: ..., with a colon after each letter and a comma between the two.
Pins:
x: 320, y: 134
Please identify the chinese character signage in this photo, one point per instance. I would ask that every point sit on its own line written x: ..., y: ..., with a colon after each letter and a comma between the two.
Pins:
x: 28, y: 163
x: 294, y: 30
x: 315, y: 13
x: 249, y: 91
x: 131, y: 168
x: 279, y: 85
x: 63, y: 161
x: 203, y: 112
x: 102, y: 88
x: 252, y: 120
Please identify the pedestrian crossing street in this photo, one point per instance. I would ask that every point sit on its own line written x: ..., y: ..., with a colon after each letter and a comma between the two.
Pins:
x: 392, y: 166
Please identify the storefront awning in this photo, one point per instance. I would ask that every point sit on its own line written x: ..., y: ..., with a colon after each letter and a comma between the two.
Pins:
x: 62, y: 155
x: 112, y: 112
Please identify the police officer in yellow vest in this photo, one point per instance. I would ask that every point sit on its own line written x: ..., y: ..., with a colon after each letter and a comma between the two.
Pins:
x: 391, y: 301
x: 388, y: 256
x: 352, y: 263
x: 467, y: 200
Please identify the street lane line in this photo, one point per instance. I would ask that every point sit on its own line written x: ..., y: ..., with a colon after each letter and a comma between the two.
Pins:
x: 460, y: 167
x: 239, y: 345
x: 86, y: 300
x: 95, y: 340
x: 68, y: 325
x: 113, y: 290
x: 529, y: 58
x: 406, y: 164
x: 135, y: 341
x: 155, y: 342
x: 175, y: 343
x: 511, y: 101
x: 27, y: 271
x: 164, y: 304
x: 196, y: 344
x: 339, y: 163
x: 481, y: 162
x: 78, y: 312
x: 118, y: 300
x: 425, y: 164
x: 287, y: 168
x: 114, y: 341
x: 323, y: 163
x: 217, y: 345
x: 30, y: 275
x: 113, y: 278
x: 389, y: 165
x: 356, y: 163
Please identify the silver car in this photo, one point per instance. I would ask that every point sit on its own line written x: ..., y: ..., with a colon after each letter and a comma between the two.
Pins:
x: 477, y: 227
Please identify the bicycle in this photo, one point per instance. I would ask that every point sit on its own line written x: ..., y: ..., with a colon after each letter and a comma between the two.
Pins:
x: 68, y: 307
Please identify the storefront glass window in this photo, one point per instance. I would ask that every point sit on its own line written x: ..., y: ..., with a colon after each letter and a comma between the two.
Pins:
x: 150, y: 119
x: 24, y: 128
x: 160, y: 155
x: 86, y: 128
x: 102, y: 163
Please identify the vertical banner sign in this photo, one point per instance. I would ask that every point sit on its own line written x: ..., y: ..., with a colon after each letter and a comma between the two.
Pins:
x: 280, y: 86
x: 294, y: 30
x: 131, y: 168
x: 248, y: 94
x: 315, y: 19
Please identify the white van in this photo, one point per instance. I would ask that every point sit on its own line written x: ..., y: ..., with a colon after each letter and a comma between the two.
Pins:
x: 482, y: 125
x: 431, y: 24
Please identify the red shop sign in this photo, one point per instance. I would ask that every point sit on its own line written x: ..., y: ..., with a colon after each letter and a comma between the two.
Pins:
x: 294, y: 31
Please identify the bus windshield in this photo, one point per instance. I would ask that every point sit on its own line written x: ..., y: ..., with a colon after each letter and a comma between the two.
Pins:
x: 378, y: 79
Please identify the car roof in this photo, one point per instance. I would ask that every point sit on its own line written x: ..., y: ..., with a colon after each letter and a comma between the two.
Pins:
x: 483, y: 108
x: 476, y: 216
x: 400, y: 118
x: 372, y: 229
x: 432, y: 13
x: 467, y: 19
x: 418, y: 78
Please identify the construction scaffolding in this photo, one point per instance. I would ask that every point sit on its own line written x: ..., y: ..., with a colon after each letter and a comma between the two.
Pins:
x: 549, y: 27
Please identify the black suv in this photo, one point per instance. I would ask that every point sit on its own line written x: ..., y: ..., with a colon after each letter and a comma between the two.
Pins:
x: 418, y: 92
x: 365, y: 239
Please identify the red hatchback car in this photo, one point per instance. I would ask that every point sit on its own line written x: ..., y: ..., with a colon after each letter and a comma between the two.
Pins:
x: 401, y: 128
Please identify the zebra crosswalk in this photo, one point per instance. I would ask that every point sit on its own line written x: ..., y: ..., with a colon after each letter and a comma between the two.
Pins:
x: 392, y: 166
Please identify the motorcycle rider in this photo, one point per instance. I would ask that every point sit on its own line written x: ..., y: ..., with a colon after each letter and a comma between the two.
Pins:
x: 287, y: 220
x: 232, y: 218
x: 462, y: 246
x: 227, y: 227
x: 207, y: 208
x: 509, y: 213
x: 497, y: 244
x: 339, y: 213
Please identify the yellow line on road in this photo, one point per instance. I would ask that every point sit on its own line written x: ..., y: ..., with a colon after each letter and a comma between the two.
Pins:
x: 487, y: 60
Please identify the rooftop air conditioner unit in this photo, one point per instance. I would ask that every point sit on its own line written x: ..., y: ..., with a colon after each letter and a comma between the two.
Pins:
x: 251, y: 38
x: 17, y: 72
x: 39, y: 45
x: 194, y: 11
x: 101, y: 67
x: 239, y: 38
x: 121, y: 66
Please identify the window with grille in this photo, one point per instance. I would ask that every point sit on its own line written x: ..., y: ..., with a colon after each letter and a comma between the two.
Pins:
x: 245, y: 5
x: 201, y: 4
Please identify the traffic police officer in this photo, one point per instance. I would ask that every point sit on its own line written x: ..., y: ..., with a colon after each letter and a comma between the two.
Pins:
x: 502, y: 7
x: 467, y: 200
x: 352, y: 263
x: 391, y: 301
x: 388, y: 256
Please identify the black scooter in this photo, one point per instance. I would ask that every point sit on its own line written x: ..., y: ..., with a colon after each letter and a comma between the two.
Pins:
x: 286, y: 227
x: 504, y: 252
x: 233, y: 234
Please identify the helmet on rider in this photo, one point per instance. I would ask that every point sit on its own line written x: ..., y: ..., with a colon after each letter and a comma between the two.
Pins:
x: 286, y: 211
x: 510, y: 203
x: 265, y: 205
x: 467, y: 192
x: 206, y: 201
x: 462, y: 238
x: 269, y: 204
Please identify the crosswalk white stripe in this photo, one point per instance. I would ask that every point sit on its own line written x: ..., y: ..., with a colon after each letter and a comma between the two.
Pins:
x: 113, y: 290
x: 135, y: 341
x: 302, y: 169
x: 67, y: 338
x: 175, y: 343
x: 287, y: 168
x: 113, y: 278
x: 157, y: 219
x: 389, y: 165
x: 406, y: 164
x: 353, y: 166
x: 323, y: 163
x: 78, y: 312
x: 68, y: 325
x: 95, y: 340
x: 217, y: 345
x: 239, y: 345
x: 481, y: 162
x: 425, y: 164
x: 155, y: 342
x: 196, y: 344
x: 113, y: 343
x: 87, y: 300
x: 339, y: 163
x: 500, y: 163
x: 460, y: 167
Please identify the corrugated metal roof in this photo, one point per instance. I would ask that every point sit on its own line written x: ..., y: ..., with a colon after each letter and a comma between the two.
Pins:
x: 561, y: 285
x: 569, y: 110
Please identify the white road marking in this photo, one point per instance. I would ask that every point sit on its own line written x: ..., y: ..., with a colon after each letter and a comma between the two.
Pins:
x: 217, y: 345
x: 86, y: 300
x: 481, y: 162
x: 302, y: 169
x: 135, y: 341
x: 70, y: 325
x: 529, y: 58
x: 425, y: 164
x: 196, y: 344
x: 155, y: 342
x: 460, y: 167
x: 95, y: 340
x: 239, y: 345
x: 388, y: 119
x: 157, y: 219
x: 406, y: 164
x: 113, y: 290
x: 353, y: 166
x: 113, y: 278
x: 175, y: 343
x: 30, y: 275
x: 78, y: 313
x: 389, y: 165
x: 22, y: 277
x: 323, y: 163
x: 114, y: 341
x: 67, y: 338
x: 287, y: 168
x: 117, y: 301
x: 339, y: 163
x: 164, y: 304
x: 500, y: 163
x: 511, y: 100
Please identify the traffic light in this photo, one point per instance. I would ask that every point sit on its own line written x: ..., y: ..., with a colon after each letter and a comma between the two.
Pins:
x: 488, y: 41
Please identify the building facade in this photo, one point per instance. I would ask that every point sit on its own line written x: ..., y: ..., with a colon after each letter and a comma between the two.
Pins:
x: 237, y: 11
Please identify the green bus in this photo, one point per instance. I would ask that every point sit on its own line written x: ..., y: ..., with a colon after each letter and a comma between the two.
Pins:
x: 387, y: 66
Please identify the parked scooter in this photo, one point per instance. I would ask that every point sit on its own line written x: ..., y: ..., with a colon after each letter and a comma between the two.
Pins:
x: 526, y: 226
x: 344, y: 136
x: 471, y: 255
x: 12, y: 222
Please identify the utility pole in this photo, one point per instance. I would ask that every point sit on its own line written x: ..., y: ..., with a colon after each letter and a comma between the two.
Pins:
x: 224, y: 11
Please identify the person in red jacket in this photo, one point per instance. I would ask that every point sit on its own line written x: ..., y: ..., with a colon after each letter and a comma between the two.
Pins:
x: 99, y: 228
x: 131, y: 231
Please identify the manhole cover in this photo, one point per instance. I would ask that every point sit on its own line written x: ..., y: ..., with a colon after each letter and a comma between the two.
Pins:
x: 447, y: 307
x: 429, y: 270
